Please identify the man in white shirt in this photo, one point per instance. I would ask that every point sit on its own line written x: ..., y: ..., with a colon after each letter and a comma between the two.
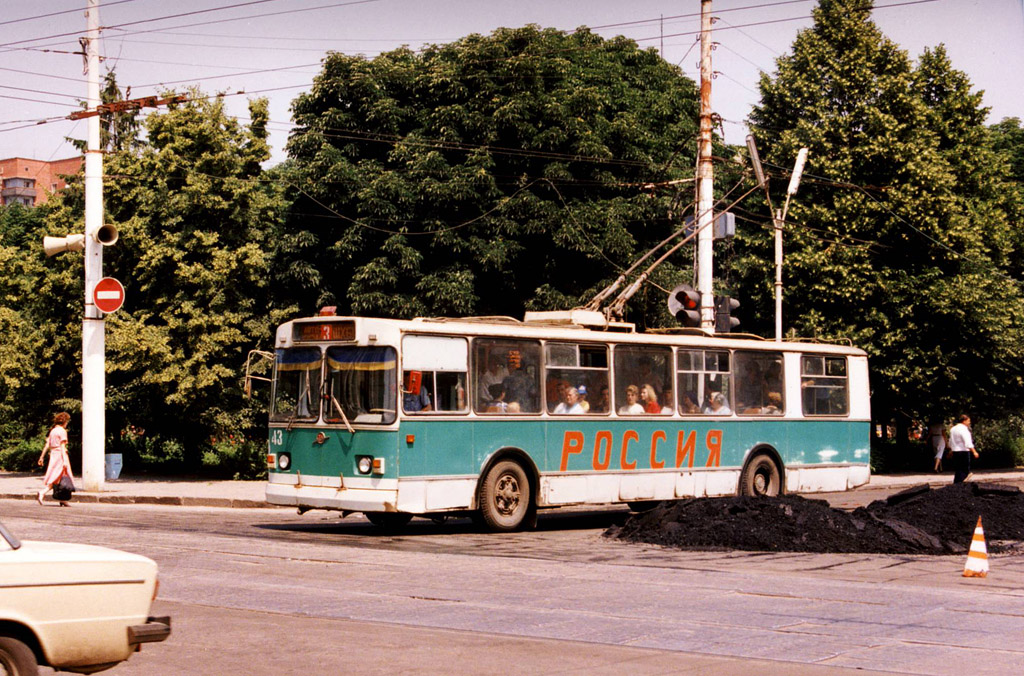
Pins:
x: 962, y: 445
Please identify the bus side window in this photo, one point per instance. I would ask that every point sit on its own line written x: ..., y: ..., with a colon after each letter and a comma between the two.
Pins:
x: 435, y: 374
x: 506, y: 375
x: 642, y: 374
x: 759, y: 386
x: 576, y: 379
x: 824, y: 385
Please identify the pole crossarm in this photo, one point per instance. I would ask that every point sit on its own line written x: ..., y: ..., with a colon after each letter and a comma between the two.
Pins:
x: 128, y: 105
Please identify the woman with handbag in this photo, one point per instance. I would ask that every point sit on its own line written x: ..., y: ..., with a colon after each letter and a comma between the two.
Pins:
x: 60, y: 465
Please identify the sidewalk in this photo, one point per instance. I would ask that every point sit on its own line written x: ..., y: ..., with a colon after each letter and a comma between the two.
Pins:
x: 188, y: 492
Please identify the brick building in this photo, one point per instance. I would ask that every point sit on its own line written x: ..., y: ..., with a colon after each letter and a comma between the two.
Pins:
x: 31, y: 182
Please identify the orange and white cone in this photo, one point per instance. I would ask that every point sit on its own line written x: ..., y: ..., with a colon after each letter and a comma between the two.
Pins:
x: 977, y: 557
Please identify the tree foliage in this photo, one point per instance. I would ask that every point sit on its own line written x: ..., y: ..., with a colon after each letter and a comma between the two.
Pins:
x: 901, y: 238
x: 484, y: 176
x: 195, y: 221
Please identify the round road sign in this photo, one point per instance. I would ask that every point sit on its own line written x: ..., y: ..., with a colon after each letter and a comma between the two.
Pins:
x: 108, y: 295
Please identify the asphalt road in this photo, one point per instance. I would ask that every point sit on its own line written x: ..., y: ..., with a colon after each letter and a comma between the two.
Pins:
x: 264, y: 591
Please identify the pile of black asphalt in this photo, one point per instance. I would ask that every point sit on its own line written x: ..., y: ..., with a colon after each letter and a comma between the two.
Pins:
x: 919, y: 520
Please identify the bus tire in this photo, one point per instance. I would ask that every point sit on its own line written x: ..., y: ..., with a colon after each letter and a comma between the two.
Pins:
x: 16, y: 658
x: 761, y: 477
x: 505, y: 498
x: 388, y: 520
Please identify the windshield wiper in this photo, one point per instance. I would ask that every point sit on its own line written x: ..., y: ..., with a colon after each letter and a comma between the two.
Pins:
x: 344, y: 418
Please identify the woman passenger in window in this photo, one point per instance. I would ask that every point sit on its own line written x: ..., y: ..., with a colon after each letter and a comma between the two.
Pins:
x: 718, y: 405
x: 650, y: 399
x: 571, y: 405
x: 632, y: 406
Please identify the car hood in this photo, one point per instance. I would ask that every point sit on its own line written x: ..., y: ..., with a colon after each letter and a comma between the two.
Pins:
x: 42, y: 562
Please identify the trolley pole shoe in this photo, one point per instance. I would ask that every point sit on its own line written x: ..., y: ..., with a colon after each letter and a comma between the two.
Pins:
x: 977, y: 557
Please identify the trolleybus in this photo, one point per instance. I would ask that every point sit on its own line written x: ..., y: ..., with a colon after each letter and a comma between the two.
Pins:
x: 497, y: 418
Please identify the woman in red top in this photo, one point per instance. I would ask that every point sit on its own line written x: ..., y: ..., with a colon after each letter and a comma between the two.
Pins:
x: 650, y: 398
x: 57, y: 445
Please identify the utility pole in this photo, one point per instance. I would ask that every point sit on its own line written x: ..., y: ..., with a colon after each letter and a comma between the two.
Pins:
x: 93, y: 338
x: 705, y: 179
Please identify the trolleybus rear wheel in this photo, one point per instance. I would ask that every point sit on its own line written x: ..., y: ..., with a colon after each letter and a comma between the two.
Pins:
x: 505, y: 497
x: 761, y: 477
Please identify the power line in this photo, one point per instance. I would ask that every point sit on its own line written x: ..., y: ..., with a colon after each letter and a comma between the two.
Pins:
x: 64, y: 11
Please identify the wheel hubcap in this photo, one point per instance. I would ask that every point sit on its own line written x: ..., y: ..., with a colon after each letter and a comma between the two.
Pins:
x: 506, y: 495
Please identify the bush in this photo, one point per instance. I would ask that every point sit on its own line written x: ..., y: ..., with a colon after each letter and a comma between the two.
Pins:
x: 889, y: 458
x: 1000, y: 443
x: 23, y: 456
x: 236, y: 458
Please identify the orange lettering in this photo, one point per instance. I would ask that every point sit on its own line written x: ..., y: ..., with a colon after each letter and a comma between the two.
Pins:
x: 687, y: 448
x: 630, y: 435
x: 714, y: 444
x: 655, y: 438
x: 571, y: 443
x: 606, y: 437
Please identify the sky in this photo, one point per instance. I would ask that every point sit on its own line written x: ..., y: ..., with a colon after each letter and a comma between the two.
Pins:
x: 273, y: 48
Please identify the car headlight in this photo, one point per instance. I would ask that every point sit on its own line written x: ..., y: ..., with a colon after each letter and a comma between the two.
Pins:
x: 284, y: 460
x: 364, y: 464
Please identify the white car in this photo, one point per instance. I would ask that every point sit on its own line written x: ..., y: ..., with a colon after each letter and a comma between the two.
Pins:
x: 73, y: 607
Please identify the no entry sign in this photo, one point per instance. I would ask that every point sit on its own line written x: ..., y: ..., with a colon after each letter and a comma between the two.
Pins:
x: 108, y: 295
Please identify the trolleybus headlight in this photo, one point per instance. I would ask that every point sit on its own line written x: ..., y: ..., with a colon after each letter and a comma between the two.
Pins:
x: 284, y: 460
x: 364, y: 464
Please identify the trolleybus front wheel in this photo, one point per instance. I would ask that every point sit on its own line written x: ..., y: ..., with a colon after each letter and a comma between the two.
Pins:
x: 761, y: 477
x: 505, y: 497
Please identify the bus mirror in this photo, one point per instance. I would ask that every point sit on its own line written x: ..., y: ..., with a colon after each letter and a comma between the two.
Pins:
x: 256, y: 361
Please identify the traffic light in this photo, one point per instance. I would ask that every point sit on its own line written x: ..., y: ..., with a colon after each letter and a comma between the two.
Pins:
x: 724, y: 321
x: 684, y: 304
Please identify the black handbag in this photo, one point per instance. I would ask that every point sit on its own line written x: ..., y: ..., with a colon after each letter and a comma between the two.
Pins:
x: 63, y: 489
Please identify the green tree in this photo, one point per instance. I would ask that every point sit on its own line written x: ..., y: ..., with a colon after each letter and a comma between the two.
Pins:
x: 195, y: 219
x: 899, y: 238
x: 485, y: 176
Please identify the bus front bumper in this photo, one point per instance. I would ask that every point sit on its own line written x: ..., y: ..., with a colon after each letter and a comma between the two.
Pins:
x: 333, y: 497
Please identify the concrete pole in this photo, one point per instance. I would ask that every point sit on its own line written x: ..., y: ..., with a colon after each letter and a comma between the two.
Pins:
x: 778, y: 274
x: 93, y: 348
x: 705, y: 179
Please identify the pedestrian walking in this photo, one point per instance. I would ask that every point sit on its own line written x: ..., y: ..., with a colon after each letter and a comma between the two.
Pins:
x: 937, y: 440
x: 57, y: 446
x: 962, y: 446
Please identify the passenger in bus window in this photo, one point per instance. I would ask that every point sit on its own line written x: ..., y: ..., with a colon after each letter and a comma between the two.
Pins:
x: 650, y: 399
x: 415, y: 397
x: 582, y: 390
x: 668, y: 399
x: 688, y: 405
x: 718, y: 405
x: 494, y: 374
x: 520, y: 388
x: 603, y: 403
x: 774, y: 406
x: 498, y: 403
x: 571, y: 405
x: 633, y: 406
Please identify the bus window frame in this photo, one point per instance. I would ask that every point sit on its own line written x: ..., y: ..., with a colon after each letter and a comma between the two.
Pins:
x: 546, y: 406
x: 806, y: 376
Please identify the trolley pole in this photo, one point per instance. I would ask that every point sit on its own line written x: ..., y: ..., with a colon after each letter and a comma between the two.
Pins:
x: 93, y: 338
x: 705, y: 179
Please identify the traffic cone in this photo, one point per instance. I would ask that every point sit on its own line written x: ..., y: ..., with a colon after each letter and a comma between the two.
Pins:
x: 977, y: 557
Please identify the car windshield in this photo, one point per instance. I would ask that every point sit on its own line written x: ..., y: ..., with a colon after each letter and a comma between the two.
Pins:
x: 361, y: 385
x: 7, y: 539
x: 296, y: 384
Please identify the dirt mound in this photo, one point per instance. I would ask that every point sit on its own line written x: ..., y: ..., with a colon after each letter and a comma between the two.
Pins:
x: 919, y: 520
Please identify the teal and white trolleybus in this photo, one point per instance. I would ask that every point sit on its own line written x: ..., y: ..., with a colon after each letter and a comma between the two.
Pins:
x: 497, y: 418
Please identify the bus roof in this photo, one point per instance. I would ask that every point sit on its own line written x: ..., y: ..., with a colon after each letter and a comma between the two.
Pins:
x: 508, y: 327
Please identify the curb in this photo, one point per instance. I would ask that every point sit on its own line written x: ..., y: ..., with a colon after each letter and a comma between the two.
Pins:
x: 175, y: 501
